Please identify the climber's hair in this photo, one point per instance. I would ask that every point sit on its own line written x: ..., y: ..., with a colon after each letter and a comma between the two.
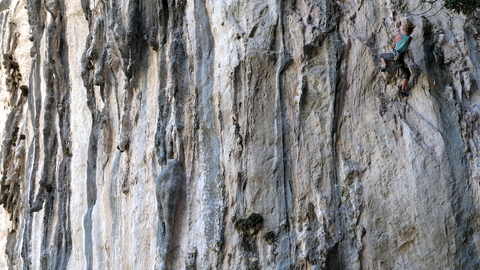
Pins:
x: 407, y: 25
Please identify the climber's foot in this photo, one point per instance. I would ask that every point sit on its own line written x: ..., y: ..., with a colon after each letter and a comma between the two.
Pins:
x: 404, y: 93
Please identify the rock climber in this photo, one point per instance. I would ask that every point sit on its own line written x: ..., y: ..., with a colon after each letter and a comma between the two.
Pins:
x: 400, y: 48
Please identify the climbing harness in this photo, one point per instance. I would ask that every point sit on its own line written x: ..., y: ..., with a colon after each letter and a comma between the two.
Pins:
x: 395, y: 55
x: 399, y: 56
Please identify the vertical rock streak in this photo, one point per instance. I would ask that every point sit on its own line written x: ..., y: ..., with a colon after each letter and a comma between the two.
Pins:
x: 237, y: 135
x: 51, y: 192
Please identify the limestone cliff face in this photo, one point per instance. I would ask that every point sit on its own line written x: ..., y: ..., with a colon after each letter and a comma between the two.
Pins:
x: 188, y: 134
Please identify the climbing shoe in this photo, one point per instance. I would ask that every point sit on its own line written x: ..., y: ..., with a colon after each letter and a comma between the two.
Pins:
x: 404, y: 93
x: 383, y: 69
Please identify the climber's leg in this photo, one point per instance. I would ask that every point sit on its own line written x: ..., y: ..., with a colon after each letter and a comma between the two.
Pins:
x: 384, y: 57
x: 406, y: 76
x: 384, y: 63
x: 404, y: 84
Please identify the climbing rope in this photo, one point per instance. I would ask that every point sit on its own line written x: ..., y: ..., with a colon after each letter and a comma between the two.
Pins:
x: 425, y: 12
x: 421, y: 2
x: 432, y: 2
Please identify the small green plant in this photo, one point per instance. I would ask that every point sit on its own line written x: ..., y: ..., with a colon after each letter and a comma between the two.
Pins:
x: 251, y: 224
x: 66, y: 151
x: 270, y: 237
x: 14, y: 136
x: 464, y: 6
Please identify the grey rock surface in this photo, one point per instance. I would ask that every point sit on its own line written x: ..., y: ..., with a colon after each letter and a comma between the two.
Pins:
x: 230, y: 134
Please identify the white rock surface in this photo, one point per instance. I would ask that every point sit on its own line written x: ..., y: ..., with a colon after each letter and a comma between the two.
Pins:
x: 237, y: 135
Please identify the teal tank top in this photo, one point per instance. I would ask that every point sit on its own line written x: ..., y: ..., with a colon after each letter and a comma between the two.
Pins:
x: 402, y: 45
